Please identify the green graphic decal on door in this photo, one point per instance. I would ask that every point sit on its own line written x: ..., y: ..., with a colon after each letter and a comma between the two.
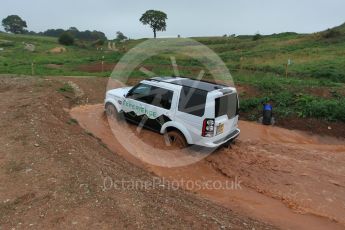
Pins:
x: 139, y: 109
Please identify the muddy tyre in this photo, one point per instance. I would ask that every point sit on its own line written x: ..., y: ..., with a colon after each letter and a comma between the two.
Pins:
x: 176, y: 140
x: 111, y: 111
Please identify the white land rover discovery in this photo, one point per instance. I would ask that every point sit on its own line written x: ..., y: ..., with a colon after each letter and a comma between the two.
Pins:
x: 190, y: 112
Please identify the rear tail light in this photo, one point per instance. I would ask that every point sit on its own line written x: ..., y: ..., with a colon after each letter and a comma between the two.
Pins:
x: 208, y: 128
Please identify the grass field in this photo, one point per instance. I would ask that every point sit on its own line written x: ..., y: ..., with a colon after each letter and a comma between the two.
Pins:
x: 313, y: 87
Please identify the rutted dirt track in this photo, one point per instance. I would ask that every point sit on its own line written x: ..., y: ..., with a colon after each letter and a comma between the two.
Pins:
x: 286, y: 175
x: 51, y: 171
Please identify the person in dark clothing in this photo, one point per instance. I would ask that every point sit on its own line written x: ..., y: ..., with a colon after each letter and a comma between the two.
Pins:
x: 267, y: 114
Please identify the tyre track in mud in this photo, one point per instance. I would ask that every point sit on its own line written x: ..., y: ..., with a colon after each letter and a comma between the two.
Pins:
x: 290, y: 179
x: 52, y: 172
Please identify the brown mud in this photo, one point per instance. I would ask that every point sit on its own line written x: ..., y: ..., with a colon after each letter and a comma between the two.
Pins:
x: 52, y: 171
x: 288, y: 178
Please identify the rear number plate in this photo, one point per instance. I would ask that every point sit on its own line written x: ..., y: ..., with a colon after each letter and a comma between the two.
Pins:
x: 220, y: 129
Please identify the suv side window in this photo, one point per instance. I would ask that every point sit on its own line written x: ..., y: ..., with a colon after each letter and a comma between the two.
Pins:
x: 152, y: 95
x: 141, y: 92
x: 192, y: 101
x: 162, y: 97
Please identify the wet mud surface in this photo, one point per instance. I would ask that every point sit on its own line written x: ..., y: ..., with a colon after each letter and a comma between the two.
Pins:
x: 288, y: 178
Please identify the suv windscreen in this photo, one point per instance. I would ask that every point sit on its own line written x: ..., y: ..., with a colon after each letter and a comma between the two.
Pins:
x: 152, y: 95
x: 226, y: 105
x: 192, y: 101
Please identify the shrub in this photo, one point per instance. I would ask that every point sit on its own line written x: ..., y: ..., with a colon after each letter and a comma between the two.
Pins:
x: 310, y: 106
x: 6, y: 43
x: 66, y: 39
x: 66, y: 88
x: 247, y: 105
x: 302, y: 105
x: 269, y: 86
x: 120, y: 36
x: 80, y: 44
x: 98, y: 42
x: 257, y: 37
x: 331, y: 33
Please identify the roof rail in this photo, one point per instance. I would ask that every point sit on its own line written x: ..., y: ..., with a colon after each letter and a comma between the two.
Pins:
x: 160, y: 79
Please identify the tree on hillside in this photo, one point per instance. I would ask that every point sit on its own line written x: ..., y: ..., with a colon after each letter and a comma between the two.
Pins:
x: 120, y: 36
x: 27, y: 32
x: 73, y: 28
x: 156, y: 19
x: 53, y: 32
x: 257, y: 36
x: 66, y: 39
x: 331, y: 33
x: 73, y: 31
x: 86, y: 35
x: 14, y: 24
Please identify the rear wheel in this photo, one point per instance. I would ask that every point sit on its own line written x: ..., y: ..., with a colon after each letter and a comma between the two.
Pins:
x: 176, y: 140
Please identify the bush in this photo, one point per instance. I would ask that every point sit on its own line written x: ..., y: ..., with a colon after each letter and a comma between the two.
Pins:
x: 269, y: 86
x: 98, y: 42
x: 66, y: 39
x: 287, y: 104
x: 247, y: 105
x: 6, y: 43
x: 331, y: 33
x: 80, y: 44
x: 120, y: 36
x: 311, y: 106
x: 66, y: 88
x: 257, y: 37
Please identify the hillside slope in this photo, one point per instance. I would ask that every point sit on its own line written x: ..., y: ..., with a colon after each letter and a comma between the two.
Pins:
x: 311, y: 55
x: 312, y: 86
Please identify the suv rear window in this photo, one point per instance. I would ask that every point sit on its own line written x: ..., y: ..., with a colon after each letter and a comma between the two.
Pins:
x: 192, y: 101
x: 227, y: 105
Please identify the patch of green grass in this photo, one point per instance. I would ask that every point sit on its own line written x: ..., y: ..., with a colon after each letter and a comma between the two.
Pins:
x: 317, y: 62
x: 72, y: 121
x: 330, y: 109
x: 66, y: 88
x: 90, y: 134
x: 287, y: 104
x: 270, y: 82
x: 312, y: 56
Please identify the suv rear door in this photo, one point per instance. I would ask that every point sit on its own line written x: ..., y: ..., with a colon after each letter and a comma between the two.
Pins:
x: 226, y: 111
x: 191, y: 110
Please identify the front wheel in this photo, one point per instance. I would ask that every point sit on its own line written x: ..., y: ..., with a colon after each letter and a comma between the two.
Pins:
x: 175, y: 140
x: 111, y: 111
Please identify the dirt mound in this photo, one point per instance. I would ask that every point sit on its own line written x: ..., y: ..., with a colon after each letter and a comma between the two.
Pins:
x: 314, y: 126
x: 57, y: 50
